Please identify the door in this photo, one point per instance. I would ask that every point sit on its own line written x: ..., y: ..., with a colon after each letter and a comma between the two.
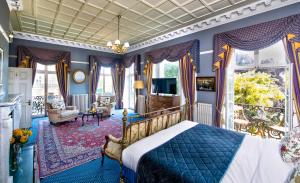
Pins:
x: 45, y: 89
x: 20, y: 82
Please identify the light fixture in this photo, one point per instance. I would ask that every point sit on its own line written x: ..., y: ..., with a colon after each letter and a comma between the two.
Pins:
x: 117, y: 47
x: 138, y: 84
x: 10, y: 37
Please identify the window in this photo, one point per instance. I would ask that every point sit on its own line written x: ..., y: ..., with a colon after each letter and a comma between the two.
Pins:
x: 166, y: 69
x: 272, y: 56
x: 129, y: 91
x: 45, y: 88
x: 258, y: 88
x: 105, y: 83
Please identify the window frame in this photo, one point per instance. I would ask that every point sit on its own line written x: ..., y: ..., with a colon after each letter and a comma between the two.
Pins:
x: 104, y: 75
x: 256, y: 62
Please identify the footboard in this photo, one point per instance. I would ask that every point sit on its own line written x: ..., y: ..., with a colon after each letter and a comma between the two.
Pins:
x: 135, y: 130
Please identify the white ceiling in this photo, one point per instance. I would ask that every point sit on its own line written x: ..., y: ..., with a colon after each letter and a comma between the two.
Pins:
x: 95, y: 22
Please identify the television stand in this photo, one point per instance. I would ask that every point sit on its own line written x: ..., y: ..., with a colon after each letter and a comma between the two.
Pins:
x: 159, y: 102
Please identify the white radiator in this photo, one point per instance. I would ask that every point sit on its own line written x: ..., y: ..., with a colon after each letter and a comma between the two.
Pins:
x: 203, y: 113
x: 81, y: 101
x: 141, y: 104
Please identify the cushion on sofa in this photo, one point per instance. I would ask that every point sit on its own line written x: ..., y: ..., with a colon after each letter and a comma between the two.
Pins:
x: 104, y: 101
x: 66, y: 113
x: 58, y: 104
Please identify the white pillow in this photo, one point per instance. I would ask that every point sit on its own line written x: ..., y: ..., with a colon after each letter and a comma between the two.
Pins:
x: 271, y: 168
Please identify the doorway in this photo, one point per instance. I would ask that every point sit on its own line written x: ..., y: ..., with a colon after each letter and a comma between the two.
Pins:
x: 258, y: 92
x: 45, y: 88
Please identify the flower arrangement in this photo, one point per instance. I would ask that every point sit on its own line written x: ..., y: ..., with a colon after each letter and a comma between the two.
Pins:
x: 19, y: 137
x: 290, y: 151
x: 93, y: 109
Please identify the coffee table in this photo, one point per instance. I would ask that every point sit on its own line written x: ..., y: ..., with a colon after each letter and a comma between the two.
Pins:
x: 98, y: 114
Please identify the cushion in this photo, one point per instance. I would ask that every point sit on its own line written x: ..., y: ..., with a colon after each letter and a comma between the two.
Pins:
x: 67, y: 113
x: 104, y: 101
x: 58, y: 104
x: 290, y: 146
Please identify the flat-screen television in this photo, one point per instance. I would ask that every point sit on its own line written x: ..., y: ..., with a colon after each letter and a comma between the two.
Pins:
x: 164, y: 85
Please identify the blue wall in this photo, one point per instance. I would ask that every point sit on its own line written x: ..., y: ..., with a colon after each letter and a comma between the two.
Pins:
x: 77, y: 54
x: 4, y: 22
x: 206, y: 43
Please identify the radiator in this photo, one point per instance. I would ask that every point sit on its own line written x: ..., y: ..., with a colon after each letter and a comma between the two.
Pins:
x: 81, y: 102
x: 203, y: 113
x: 141, y: 104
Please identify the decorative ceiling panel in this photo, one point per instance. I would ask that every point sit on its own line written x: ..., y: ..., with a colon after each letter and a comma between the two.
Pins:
x: 95, y: 21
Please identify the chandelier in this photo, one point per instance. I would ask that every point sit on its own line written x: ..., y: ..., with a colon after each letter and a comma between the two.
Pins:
x: 117, y: 47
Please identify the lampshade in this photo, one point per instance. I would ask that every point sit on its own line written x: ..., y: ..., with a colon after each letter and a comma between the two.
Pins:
x: 126, y: 45
x: 138, y: 84
x: 117, y: 42
x: 109, y: 44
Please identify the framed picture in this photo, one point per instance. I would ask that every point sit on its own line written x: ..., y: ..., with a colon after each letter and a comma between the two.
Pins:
x: 206, y: 84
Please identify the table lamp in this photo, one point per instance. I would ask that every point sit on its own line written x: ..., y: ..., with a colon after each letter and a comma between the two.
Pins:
x: 138, y: 84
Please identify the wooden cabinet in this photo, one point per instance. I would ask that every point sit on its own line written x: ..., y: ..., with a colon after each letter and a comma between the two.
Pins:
x: 158, y: 102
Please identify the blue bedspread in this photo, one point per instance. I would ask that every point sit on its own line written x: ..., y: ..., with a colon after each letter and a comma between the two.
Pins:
x: 200, y: 154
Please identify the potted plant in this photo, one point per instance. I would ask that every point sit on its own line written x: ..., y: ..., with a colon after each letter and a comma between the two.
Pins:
x: 18, y: 139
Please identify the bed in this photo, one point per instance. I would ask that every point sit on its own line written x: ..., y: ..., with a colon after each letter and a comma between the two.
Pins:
x: 168, y: 148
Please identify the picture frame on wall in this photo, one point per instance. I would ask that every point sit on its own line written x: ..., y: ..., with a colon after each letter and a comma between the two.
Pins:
x: 206, y: 84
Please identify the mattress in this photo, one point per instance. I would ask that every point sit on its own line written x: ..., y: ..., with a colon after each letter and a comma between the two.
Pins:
x: 248, y: 164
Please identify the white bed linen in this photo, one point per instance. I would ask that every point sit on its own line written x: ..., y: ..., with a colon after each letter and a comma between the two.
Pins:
x: 132, y: 154
x: 252, y: 162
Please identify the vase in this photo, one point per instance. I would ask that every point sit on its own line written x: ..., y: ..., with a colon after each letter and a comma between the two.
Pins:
x: 15, y: 154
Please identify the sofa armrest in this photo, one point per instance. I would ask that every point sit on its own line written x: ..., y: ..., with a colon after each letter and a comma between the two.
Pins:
x: 114, y: 139
x: 113, y: 147
x: 113, y: 104
x: 71, y: 107
x: 54, y: 111
x: 95, y: 104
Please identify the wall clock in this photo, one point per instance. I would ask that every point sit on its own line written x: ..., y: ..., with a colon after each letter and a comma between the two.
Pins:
x: 79, y: 76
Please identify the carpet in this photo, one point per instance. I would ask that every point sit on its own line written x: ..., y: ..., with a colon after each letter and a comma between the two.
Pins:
x: 69, y: 144
x: 91, y: 172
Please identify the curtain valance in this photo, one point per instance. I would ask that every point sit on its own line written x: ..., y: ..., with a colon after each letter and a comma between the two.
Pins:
x: 129, y: 60
x: 256, y: 36
x: 103, y: 61
x: 175, y: 52
x: 43, y: 56
x: 29, y: 57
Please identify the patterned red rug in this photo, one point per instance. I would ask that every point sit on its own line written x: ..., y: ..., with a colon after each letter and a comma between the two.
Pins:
x: 69, y: 144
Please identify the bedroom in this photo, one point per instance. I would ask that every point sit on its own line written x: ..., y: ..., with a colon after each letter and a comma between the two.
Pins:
x: 78, y: 65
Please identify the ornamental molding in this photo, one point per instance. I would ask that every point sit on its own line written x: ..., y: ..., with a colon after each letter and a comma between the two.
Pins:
x: 230, y: 16
x: 15, y: 5
x: 63, y: 42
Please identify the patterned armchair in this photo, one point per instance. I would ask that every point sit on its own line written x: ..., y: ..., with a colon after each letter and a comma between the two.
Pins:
x: 106, y: 104
x: 58, y: 112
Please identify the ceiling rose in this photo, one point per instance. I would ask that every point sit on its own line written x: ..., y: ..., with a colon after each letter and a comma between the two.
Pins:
x: 117, y: 47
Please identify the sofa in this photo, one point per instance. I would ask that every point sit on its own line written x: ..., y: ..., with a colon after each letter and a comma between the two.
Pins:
x: 106, y: 104
x: 58, y: 112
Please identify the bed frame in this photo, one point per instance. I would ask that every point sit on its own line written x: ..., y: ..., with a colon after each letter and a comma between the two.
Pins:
x: 153, y: 122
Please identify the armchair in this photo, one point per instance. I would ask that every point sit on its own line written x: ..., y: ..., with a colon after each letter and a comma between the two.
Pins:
x: 63, y: 113
x: 106, y: 104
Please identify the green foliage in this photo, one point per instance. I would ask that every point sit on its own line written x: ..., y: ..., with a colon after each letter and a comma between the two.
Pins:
x: 257, y: 88
x: 171, y: 71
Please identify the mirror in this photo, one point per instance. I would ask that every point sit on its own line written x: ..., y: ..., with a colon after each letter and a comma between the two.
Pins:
x: 79, y: 76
